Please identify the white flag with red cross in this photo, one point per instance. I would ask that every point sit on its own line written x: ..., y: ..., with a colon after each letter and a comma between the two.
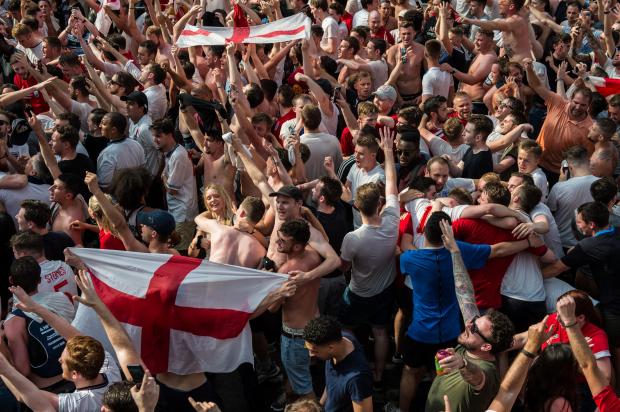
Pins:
x: 286, y: 29
x: 184, y: 315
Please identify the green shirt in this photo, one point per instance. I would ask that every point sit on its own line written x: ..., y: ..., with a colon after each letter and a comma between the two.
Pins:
x: 462, y: 395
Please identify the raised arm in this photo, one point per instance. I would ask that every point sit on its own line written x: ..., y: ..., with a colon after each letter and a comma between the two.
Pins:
x: 258, y: 177
x: 24, y: 390
x: 184, y: 20
x: 462, y: 283
x: 46, y: 150
x: 509, y: 138
x: 387, y: 145
x: 114, y: 216
x: 123, y: 347
x: 534, y: 81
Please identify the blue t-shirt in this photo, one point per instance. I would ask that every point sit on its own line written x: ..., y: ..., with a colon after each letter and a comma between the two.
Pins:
x: 436, y: 313
x: 349, y: 380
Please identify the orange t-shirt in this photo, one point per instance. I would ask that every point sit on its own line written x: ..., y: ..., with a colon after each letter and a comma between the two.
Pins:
x: 558, y: 133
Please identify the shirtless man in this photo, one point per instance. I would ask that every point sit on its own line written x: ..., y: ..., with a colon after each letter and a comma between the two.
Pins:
x: 515, y: 29
x: 235, y: 245
x: 157, y: 225
x: 472, y: 82
x: 286, y: 205
x: 67, y: 206
x: 297, y: 310
x: 406, y: 76
x: 216, y: 164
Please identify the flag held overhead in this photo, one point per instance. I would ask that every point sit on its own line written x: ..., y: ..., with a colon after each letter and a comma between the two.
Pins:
x: 287, y: 29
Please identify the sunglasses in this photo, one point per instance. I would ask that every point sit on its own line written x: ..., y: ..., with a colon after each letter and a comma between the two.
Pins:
x: 473, y: 328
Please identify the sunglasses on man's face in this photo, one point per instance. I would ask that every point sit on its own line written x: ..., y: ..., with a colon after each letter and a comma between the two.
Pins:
x: 473, y: 328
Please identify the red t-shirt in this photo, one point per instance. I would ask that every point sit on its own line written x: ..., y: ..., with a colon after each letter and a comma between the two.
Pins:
x: 36, y: 101
x: 595, y: 336
x: 607, y: 401
x: 488, y: 279
x: 277, y: 127
x: 404, y: 226
x: 455, y: 114
x: 383, y: 34
x: 347, y: 18
x: 110, y: 242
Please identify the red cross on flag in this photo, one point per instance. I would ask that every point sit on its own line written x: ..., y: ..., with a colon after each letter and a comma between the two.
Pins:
x: 604, y: 85
x: 184, y: 315
x: 287, y: 29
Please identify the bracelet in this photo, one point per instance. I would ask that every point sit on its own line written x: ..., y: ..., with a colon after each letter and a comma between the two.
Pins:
x: 528, y: 354
x: 529, y: 244
x: 571, y: 325
x: 606, y: 12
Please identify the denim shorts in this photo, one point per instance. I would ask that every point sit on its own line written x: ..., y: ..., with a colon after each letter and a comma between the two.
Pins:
x: 296, y: 362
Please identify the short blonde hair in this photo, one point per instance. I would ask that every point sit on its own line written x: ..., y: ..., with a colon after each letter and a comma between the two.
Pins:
x: 21, y: 29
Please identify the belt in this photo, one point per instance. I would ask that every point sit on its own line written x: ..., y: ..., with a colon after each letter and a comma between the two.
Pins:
x: 292, y: 333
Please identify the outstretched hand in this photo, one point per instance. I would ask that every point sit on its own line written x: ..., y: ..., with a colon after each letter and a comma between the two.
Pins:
x: 89, y: 297
x: 448, y: 236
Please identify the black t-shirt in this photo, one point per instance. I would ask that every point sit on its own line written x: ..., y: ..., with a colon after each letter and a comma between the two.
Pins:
x: 336, y: 226
x: 601, y: 253
x: 94, y: 145
x: 77, y: 166
x: 54, y: 244
x: 171, y: 399
x: 477, y: 164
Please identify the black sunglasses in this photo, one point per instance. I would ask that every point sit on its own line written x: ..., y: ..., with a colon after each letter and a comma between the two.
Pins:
x: 473, y: 328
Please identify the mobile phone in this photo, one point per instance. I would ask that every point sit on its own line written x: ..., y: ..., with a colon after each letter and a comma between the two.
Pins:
x: 335, y: 93
x: 269, y: 264
x: 199, y: 241
x: 403, y: 55
x: 136, y: 372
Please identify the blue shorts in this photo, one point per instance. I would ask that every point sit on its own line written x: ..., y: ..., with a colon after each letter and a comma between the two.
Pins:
x: 296, y: 362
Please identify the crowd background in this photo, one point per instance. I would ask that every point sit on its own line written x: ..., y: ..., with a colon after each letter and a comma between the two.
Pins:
x: 438, y: 180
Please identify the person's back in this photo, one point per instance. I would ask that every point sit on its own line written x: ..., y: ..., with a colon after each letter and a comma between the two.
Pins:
x: 234, y: 247
x: 321, y: 145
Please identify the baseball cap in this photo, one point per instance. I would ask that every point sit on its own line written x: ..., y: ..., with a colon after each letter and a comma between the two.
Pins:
x: 288, y: 191
x: 386, y: 92
x: 160, y: 221
x: 137, y: 97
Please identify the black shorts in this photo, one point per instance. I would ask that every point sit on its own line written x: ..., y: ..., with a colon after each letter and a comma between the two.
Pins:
x: 374, y: 311
x: 612, y: 327
x: 419, y: 354
x: 404, y: 300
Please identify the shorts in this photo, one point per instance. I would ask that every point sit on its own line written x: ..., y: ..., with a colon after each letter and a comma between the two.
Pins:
x: 404, y: 300
x: 419, y: 354
x: 374, y: 311
x: 409, y: 99
x: 612, y: 327
x: 296, y: 362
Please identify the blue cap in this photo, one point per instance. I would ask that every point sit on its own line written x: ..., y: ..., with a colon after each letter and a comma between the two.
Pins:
x: 160, y: 221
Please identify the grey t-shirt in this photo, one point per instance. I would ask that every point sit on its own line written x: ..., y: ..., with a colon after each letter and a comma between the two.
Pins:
x: 371, y: 250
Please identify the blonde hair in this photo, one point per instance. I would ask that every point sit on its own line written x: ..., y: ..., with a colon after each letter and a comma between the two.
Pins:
x: 229, y: 211
x: 100, y: 217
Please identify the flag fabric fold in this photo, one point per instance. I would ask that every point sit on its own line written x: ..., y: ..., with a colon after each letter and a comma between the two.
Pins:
x: 287, y: 29
x: 184, y: 315
x: 604, y: 85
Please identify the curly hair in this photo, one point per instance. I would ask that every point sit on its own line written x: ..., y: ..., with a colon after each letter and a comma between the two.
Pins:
x: 503, y: 331
x: 323, y: 330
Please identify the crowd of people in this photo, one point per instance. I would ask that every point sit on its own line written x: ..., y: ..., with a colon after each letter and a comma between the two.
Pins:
x: 437, y: 181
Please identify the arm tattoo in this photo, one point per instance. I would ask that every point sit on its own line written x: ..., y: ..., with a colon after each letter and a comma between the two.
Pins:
x: 463, y: 288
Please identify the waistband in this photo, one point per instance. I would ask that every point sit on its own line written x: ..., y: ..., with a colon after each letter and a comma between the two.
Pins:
x: 292, y: 333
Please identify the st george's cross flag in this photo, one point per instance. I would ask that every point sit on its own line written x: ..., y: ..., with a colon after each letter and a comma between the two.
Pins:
x: 184, y: 315
x: 604, y: 85
x: 286, y: 29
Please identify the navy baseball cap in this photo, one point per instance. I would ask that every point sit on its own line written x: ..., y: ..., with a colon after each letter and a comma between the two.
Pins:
x: 160, y: 221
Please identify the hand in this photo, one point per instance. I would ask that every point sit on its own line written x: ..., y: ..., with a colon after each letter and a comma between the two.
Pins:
x: 446, y: 67
x: 73, y: 260
x: 448, y: 237
x: 328, y: 164
x: 562, y: 70
x: 446, y: 402
x: 535, y: 240
x: 196, y: 9
x: 582, y: 70
x: 89, y: 297
x: 287, y: 289
x: 77, y: 225
x: 147, y: 395
x: 566, y: 310
x: 91, y: 182
x: 25, y: 301
x: 523, y: 230
x: 298, y: 277
x: 230, y: 49
x: 305, y: 45
x: 34, y: 122
x: 300, y: 77
x: 45, y: 83
x: 452, y: 362
x: 204, y: 406
x: 527, y: 128
x: 527, y: 63
x: 387, y: 139
x: 536, y: 335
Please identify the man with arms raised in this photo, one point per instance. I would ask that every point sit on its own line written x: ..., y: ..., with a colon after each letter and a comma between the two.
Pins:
x: 235, y: 245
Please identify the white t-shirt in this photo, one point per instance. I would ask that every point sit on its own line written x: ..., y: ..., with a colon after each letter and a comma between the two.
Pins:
x: 330, y: 31
x: 89, y: 399
x: 158, y: 103
x: 360, y: 18
x: 141, y: 133
x: 359, y: 177
x: 540, y: 180
x: 523, y: 279
x: 119, y: 154
x: 552, y: 237
x: 329, y: 124
x: 379, y: 72
x: 179, y: 173
x: 320, y: 145
x: 57, y: 276
x: 370, y: 249
x: 440, y: 147
x: 436, y: 82
x: 12, y: 198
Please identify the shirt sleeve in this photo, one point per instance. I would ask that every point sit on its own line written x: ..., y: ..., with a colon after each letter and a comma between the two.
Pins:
x: 427, y: 86
x: 105, y: 169
x: 607, y: 401
x: 133, y: 70
x: 347, y: 251
x: 576, y: 257
x: 552, y: 200
x: 474, y: 256
x: 180, y: 170
x: 359, y: 388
